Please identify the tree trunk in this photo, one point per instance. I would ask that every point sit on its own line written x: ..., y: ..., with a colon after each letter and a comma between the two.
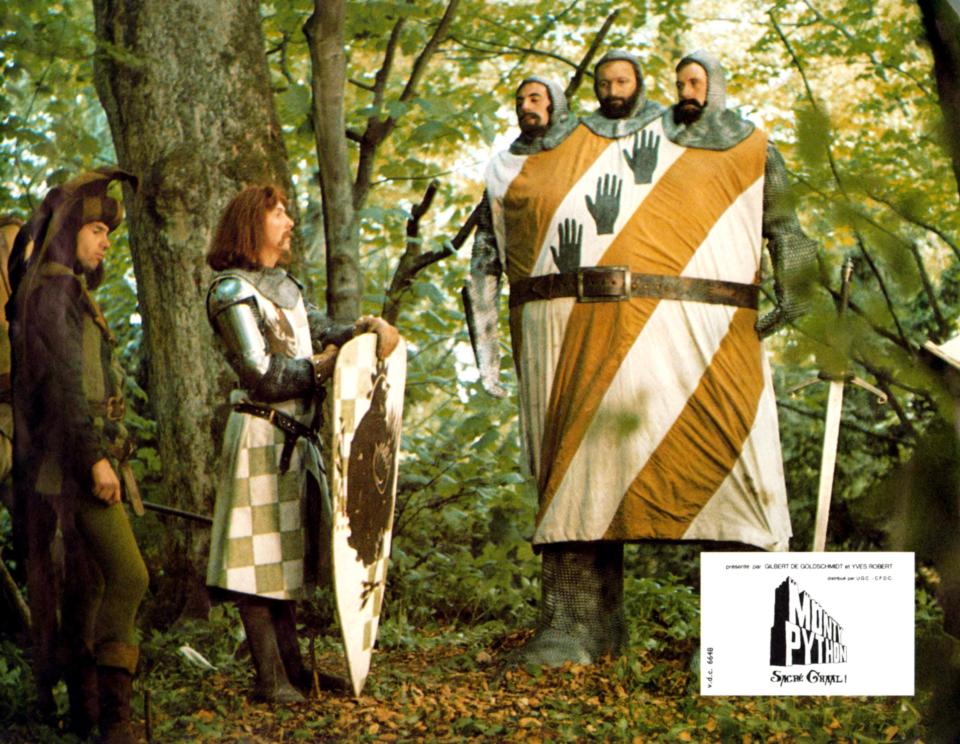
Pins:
x: 324, y: 32
x: 941, y: 21
x: 187, y: 93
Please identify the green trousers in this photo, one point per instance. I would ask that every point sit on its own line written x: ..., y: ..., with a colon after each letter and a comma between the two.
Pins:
x: 110, y: 602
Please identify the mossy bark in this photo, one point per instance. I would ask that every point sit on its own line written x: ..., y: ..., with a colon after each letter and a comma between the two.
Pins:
x: 187, y: 93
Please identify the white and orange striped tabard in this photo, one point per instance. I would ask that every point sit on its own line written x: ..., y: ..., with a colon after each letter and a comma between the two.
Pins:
x: 645, y: 418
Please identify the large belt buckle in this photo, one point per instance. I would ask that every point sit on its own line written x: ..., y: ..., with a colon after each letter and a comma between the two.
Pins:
x: 603, y: 271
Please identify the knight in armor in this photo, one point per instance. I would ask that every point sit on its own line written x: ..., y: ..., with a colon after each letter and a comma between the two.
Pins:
x: 647, y: 407
x: 70, y: 459
x: 545, y: 122
x: 272, y: 495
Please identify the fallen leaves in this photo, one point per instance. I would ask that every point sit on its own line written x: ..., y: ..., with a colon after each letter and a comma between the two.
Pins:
x: 432, y: 695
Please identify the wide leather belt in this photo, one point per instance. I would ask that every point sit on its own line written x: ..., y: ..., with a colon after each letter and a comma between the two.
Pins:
x: 291, y: 428
x: 614, y: 283
x: 286, y: 424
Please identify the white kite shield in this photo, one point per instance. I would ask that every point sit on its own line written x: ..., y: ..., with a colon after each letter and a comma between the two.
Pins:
x: 366, y: 417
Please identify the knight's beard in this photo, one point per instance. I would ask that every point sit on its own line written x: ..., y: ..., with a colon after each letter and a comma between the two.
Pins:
x: 532, y: 126
x: 286, y: 254
x: 618, y: 108
x: 687, y: 111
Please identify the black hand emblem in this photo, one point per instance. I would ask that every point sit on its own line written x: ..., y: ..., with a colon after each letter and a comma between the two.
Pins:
x: 643, y: 160
x: 605, y: 207
x: 567, y: 258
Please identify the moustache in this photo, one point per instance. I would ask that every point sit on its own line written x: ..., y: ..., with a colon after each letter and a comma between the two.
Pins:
x: 688, y: 110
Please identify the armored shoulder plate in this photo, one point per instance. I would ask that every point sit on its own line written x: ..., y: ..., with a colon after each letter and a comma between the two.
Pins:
x: 227, y: 291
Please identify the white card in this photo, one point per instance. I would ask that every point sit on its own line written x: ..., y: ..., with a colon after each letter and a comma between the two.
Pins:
x: 806, y: 623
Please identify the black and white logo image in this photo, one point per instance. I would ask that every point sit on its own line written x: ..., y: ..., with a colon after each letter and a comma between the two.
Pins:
x: 803, y: 631
x: 799, y: 623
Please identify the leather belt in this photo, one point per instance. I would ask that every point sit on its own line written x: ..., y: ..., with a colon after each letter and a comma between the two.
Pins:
x: 615, y: 283
x: 291, y: 428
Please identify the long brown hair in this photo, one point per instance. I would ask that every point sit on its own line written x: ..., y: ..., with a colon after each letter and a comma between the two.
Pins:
x: 239, y: 236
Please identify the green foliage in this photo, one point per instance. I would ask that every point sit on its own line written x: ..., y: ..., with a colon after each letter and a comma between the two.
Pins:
x: 863, y: 105
x: 665, y: 612
x: 14, y: 679
x: 51, y: 124
x: 865, y: 151
x: 175, y: 683
x: 461, y: 550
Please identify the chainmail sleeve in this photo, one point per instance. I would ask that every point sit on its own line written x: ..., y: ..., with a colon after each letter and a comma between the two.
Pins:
x: 792, y: 254
x: 481, y: 299
x: 267, y: 377
x: 324, y: 330
x: 284, y: 379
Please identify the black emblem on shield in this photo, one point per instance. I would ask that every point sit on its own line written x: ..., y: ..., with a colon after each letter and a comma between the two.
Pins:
x: 370, y: 474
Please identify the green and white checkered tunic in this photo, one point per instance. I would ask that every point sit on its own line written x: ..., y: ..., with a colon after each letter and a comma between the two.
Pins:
x: 258, y: 542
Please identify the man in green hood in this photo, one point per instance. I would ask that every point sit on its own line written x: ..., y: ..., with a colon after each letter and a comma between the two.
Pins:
x: 70, y: 453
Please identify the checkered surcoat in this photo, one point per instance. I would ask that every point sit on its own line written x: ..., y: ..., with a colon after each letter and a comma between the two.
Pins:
x: 259, y: 535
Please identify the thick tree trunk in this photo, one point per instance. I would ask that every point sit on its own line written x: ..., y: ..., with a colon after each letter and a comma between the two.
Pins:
x: 324, y: 32
x: 941, y: 21
x: 187, y: 93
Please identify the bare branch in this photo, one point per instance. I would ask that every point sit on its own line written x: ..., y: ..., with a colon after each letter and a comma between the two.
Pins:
x: 577, y: 78
x: 892, y: 337
x: 942, y: 325
x: 413, y: 260
x: 424, y: 177
x: 810, y: 95
x: 875, y: 270
x: 408, y: 267
x: 378, y: 130
x: 282, y: 48
x: 6, y: 580
x: 847, y: 423
x: 836, y: 176
x: 502, y: 49
x: 383, y: 74
x: 883, y: 382
x: 360, y: 84
x: 877, y: 63
x: 912, y: 218
x: 423, y: 59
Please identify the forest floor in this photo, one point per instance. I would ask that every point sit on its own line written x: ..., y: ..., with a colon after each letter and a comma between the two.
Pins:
x: 448, y: 690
